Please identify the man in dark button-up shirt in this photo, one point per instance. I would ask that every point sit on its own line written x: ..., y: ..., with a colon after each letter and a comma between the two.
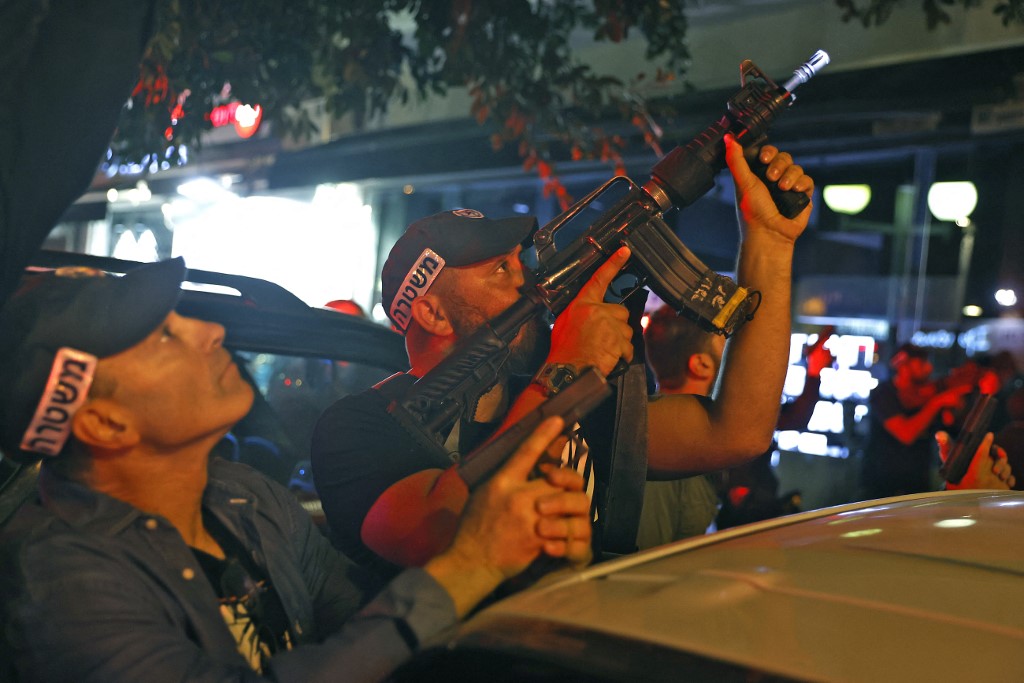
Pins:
x: 142, y: 559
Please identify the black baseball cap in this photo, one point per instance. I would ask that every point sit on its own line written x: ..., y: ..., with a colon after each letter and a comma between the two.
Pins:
x: 54, y: 329
x: 450, y: 238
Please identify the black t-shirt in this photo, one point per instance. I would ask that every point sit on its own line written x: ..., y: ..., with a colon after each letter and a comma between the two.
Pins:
x: 249, y: 603
x: 359, y: 450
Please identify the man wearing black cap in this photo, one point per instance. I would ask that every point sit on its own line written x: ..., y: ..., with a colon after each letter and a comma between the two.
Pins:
x: 386, y: 499
x: 143, y: 559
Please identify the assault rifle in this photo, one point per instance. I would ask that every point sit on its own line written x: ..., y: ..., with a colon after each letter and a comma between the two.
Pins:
x: 659, y: 260
x: 962, y: 450
x: 571, y: 404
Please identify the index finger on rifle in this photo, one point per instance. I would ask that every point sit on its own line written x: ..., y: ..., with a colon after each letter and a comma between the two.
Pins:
x: 522, y: 462
x: 737, y: 163
x: 594, y: 289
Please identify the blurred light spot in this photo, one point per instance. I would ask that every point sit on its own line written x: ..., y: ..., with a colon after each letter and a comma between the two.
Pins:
x: 952, y: 201
x: 1006, y: 297
x: 847, y: 199
x: 860, y: 532
x: 955, y: 523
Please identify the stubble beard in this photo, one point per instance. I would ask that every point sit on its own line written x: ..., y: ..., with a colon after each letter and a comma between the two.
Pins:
x: 528, y: 348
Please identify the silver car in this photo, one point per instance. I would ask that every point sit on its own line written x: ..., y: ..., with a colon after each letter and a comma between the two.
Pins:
x: 928, y: 587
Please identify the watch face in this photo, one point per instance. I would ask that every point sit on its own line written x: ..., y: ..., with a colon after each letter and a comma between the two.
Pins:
x: 553, y: 378
x: 562, y: 377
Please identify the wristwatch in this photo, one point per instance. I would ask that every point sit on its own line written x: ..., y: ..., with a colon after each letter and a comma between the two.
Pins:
x: 554, y: 377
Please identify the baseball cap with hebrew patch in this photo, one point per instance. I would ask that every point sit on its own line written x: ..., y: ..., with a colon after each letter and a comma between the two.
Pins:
x: 55, y: 329
x: 450, y: 238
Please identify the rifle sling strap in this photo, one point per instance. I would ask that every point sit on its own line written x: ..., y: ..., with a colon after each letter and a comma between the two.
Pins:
x: 393, y: 389
x: 619, y: 517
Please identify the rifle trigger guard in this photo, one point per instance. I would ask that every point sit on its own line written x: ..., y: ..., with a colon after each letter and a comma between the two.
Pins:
x: 622, y: 295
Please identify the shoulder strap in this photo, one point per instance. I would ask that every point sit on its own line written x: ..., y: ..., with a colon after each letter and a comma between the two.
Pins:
x: 619, y: 517
x: 394, y: 386
x: 627, y: 473
x: 393, y: 389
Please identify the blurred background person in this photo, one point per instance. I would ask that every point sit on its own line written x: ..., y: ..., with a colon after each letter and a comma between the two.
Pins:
x: 685, y: 359
x: 905, y: 412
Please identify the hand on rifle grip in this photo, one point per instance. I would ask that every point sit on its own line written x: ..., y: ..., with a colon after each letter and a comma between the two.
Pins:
x: 789, y: 202
x: 619, y: 369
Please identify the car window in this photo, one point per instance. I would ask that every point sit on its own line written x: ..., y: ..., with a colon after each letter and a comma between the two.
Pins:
x: 292, y: 392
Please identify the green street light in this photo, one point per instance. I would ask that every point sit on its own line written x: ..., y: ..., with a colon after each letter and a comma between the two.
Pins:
x: 847, y: 199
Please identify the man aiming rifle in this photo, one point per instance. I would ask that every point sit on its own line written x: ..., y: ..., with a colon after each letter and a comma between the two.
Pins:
x: 373, y: 478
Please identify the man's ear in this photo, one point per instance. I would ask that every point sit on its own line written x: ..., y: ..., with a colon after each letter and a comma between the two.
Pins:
x: 701, y: 365
x: 428, y: 312
x: 104, y: 424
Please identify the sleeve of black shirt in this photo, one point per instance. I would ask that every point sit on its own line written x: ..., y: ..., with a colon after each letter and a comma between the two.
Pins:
x: 358, y: 451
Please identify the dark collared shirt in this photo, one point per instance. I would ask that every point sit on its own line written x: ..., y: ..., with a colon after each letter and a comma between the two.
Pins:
x: 96, y: 590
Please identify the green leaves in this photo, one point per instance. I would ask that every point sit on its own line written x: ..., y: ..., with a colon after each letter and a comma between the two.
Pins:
x: 515, y: 58
x: 937, y: 12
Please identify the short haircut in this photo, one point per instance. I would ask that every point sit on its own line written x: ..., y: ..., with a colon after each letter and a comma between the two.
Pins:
x: 670, y: 340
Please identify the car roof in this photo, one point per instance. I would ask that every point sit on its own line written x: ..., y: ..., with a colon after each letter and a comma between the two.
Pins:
x: 262, y: 316
x: 912, y: 588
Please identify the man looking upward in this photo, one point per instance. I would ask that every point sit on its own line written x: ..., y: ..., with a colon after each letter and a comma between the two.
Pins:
x: 144, y: 559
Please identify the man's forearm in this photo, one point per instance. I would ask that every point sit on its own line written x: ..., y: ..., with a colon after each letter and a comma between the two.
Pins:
x: 756, y: 358
x: 412, y: 609
x: 416, y: 517
x: 739, y: 422
x: 909, y: 428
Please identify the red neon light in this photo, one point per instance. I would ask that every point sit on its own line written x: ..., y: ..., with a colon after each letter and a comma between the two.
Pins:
x: 245, y: 118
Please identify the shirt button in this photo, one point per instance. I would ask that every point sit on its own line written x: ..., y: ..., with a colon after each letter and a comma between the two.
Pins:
x: 188, y: 574
x: 151, y: 524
